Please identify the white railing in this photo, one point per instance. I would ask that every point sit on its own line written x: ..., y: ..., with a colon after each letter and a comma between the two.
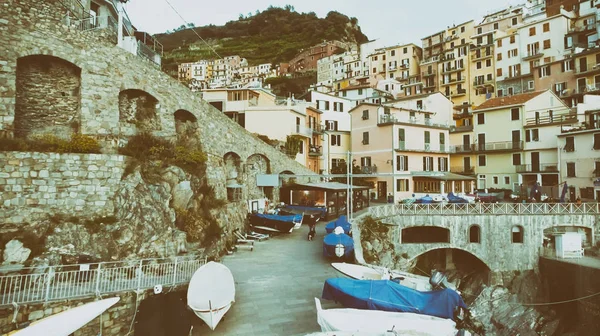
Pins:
x: 83, y: 280
x: 485, y: 209
x: 97, y: 22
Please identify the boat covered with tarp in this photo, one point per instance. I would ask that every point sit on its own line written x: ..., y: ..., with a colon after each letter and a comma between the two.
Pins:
x: 387, y: 295
x: 320, y: 212
x: 340, y: 222
x: 338, y: 245
x: 275, y: 223
x: 455, y: 199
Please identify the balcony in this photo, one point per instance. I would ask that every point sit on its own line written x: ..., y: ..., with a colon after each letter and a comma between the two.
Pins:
x: 76, y: 8
x: 430, y: 60
x: 532, y: 54
x: 315, y: 151
x: 587, y: 69
x: 452, y: 69
x: 458, y: 93
x: 401, y: 147
x: 428, y: 73
x: 503, y: 146
x: 469, y: 170
x: 393, y: 119
x: 368, y: 169
x: 318, y: 129
x: 484, y: 82
x: 461, y: 129
x: 303, y: 131
x: 586, y: 89
x: 553, y: 119
x: 481, y: 56
x: 539, y: 168
x: 462, y: 114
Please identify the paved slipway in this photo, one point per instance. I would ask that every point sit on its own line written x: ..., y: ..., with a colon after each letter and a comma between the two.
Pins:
x: 275, y: 287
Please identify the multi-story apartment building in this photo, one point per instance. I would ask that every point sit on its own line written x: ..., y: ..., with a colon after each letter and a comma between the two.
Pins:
x: 404, y: 143
x: 307, y: 59
x: 433, y: 48
x: 400, y: 66
x: 524, y: 151
x: 579, y: 152
x: 530, y: 47
x: 454, y: 66
x: 315, y: 151
x: 184, y: 72
x: 235, y: 102
x: 325, y: 71
x: 377, y: 66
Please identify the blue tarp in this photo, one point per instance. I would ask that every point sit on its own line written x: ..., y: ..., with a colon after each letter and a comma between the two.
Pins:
x: 331, y: 240
x: 424, y: 200
x: 455, y: 199
x: 339, y: 222
x: 291, y: 218
x: 322, y: 211
x: 389, y: 296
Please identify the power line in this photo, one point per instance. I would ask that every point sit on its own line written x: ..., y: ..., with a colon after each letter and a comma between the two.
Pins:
x: 186, y: 23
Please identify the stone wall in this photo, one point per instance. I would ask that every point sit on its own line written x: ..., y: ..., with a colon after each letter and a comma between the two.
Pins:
x: 495, y: 249
x: 34, y: 185
x: 117, y: 320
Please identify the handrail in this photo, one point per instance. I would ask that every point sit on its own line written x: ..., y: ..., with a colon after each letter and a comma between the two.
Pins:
x: 84, y: 280
x: 485, y: 209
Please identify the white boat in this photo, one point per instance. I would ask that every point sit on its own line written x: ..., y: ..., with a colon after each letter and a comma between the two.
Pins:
x: 67, y: 322
x: 211, y: 293
x: 376, y: 322
x: 361, y: 272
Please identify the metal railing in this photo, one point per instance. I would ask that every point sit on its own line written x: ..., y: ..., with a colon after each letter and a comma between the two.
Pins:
x: 97, y: 22
x: 303, y: 130
x: 463, y: 170
x: 464, y: 128
x: 147, y: 52
x: 391, y: 118
x: 368, y: 169
x: 587, y: 67
x: 488, y: 147
x: 485, y: 209
x: 76, y: 8
x: 83, y: 280
x: 551, y: 119
x: 529, y: 168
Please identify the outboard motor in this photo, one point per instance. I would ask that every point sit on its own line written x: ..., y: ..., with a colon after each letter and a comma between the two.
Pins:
x: 438, y: 280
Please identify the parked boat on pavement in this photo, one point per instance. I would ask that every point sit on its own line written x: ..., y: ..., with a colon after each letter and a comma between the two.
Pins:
x: 371, y: 272
x: 276, y: 223
x: 211, y: 293
x: 381, y: 322
x: 67, y: 322
x: 338, y: 245
x: 340, y: 222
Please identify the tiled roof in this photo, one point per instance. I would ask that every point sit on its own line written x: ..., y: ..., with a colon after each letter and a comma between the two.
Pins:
x: 507, y: 101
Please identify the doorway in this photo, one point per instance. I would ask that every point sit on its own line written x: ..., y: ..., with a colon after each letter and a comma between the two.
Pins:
x: 481, y: 141
x: 481, y: 182
x: 467, y: 165
x: 516, y: 139
x: 382, y: 190
x: 535, y: 162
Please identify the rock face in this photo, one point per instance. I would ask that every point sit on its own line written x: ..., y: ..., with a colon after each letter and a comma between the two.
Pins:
x: 15, y: 253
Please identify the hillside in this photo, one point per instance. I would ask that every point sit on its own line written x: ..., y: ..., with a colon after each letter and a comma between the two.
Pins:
x: 272, y: 36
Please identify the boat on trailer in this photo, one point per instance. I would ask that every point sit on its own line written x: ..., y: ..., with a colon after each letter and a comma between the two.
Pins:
x: 276, y: 223
x: 211, y: 293
x: 382, y: 322
x: 67, y: 322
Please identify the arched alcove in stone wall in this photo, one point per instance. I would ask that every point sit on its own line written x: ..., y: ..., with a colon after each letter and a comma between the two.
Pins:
x: 48, y: 96
x: 257, y: 164
x: 287, y: 177
x: 186, y: 124
x: 138, y: 112
x: 233, y: 168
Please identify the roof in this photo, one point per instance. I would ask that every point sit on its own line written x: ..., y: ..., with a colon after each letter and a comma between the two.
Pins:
x: 443, y: 176
x: 314, y: 109
x: 328, y: 186
x: 361, y: 104
x: 355, y: 87
x: 499, y: 102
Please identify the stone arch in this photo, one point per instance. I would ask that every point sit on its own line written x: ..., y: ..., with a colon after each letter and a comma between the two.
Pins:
x: 257, y: 164
x: 138, y: 112
x: 587, y: 232
x: 48, y: 96
x: 450, y: 247
x: 233, y: 167
x: 475, y: 234
x: 517, y: 234
x: 425, y: 234
x: 285, y: 179
x: 186, y: 124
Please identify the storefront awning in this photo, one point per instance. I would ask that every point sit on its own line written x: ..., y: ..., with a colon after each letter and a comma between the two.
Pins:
x: 442, y: 176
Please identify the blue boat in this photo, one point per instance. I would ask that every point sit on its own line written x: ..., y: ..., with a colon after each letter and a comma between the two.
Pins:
x: 339, y: 246
x: 455, y: 199
x: 320, y: 212
x: 341, y: 222
x: 387, y: 295
x: 424, y: 200
x: 275, y: 223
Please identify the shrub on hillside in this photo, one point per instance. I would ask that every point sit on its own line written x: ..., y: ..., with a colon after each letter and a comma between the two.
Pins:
x: 48, y: 143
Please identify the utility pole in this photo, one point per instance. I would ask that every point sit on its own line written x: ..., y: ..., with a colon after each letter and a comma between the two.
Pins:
x: 348, y: 167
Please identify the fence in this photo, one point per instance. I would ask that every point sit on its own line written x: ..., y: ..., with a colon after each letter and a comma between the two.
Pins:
x: 485, y: 209
x: 82, y: 280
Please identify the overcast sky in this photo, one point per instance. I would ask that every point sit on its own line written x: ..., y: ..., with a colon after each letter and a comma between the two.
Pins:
x: 392, y: 22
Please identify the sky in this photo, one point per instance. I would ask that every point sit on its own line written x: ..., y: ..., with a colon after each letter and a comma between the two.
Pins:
x: 391, y: 22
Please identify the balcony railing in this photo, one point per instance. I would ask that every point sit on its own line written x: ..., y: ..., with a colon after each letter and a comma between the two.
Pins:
x: 368, y: 169
x: 482, y: 55
x: 532, y: 54
x: 553, y: 119
x: 390, y: 118
x: 401, y: 147
x: 318, y: 129
x: 588, y: 88
x: 303, y: 130
x: 588, y: 68
x: 479, y: 82
x: 485, y: 208
x: 470, y: 170
x: 503, y: 146
x: 76, y: 8
x: 459, y: 129
x: 539, y: 168
x: 97, y: 22
x: 429, y: 73
x: 315, y: 151
x: 459, y: 92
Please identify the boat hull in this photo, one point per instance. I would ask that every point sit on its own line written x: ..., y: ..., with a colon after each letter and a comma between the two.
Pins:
x: 214, y: 316
x: 360, y: 272
x: 338, y: 247
x: 373, y: 321
x: 68, y: 321
x: 211, y: 293
x: 274, y: 223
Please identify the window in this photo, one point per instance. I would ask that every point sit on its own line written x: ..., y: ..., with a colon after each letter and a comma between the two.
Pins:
x: 516, y: 159
x: 365, y: 161
x: 570, y: 169
x: 474, y: 234
x: 567, y: 65
x: 402, y: 185
x: 401, y: 162
x: 301, y: 147
x: 532, y: 135
x: 479, y: 30
x: 442, y: 164
x: 495, y: 179
x: 532, y: 31
x: 427, y: 137
x: 512, y: 39
x: 428, y: 163
x: 344, y: 93
x: 499, y: 43
x: 365, y: 140
x: 478, y: 65
x: 530, y: 85
x: 480, y: 119
x: 514, y: 21
x: 360, y: 91
x: 512, y: 53
x: 499, y: 57
x: 499, y: 72
x: 546, y: 27
x: 337, y: 163
x: 507, y: 180
x: 336, y: 140
x: 495, y: 25
x: 514, y: 114
x: 482, y: 160
x: 393, y: 53
x: 547, y: 44
x: 488, y: 63
x: 462, y: 29
x: 517, y: 234
x: 544, y: 71
x: 234, y: 194
x: 596, y: 141
x: 332, y: 125
x: 570, y: 144
x: 365, y: 115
